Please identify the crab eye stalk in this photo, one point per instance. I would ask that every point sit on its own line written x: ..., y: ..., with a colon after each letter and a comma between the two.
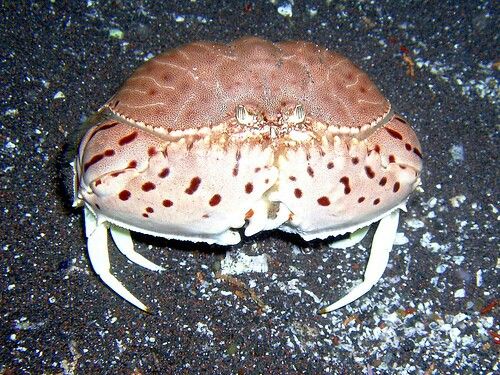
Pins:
x: 243, y: 117
x: 298, y: 116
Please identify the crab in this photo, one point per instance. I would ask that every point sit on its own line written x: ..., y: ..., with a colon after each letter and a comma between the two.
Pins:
x: 210, y: 140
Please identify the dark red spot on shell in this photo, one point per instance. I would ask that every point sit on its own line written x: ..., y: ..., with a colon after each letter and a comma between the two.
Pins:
x: 394, y: 133
x: 235, y: 170
x: 116, y: 174
x: 362, y: 89
x: 95, y: 159
x: 107, y: 126
x: 124, y: 195
x: 215, y: 200
x: 377, y: 149
x: 97, y: 182
x: 392, y: 159
x: 164, y: 173
x: 369, y: 172
x: 396, y: 187
x: 382, y: 181
x: 168, y: 203
x: 355, y: 160
x: 152, y: 92
x: 257, y: 169
x: 417, y: 152
x: 408, y: 146
x: 103, y: 127
x: 249, y: 214
x: 248, y: 188
x: 150, y: 210
x: 148, y: 186
x: 266, y: 181
x: 292, y: 178
x: 330, y: 165
x: 193, y: 186
x: 324, y: 201
x: 376, y: 201
x: 298, y: 193
x: 132, y: 164
x: 152, y: 151
x: 310, y: 171
x: 345, y: 181
x: 127, y: 139
x: 361, y: 199
x: 145, y: 215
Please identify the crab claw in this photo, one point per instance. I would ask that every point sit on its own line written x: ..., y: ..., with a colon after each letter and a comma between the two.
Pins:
x: 97, y: 243
x: 383, y: 241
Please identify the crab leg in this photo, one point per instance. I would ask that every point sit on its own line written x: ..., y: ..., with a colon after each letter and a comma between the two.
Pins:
x: 123, y: 241
x: 379, y: 257
x: 354, y: 238
x: 97, y: 243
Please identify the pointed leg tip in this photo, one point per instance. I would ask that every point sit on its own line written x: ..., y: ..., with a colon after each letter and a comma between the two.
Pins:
x: 156, y: 268
x: 322, y: 311
x: 139, y: 305
x: 329, y: 308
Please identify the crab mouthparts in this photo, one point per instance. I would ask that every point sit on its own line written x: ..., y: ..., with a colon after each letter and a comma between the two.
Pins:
x: 284, y: 121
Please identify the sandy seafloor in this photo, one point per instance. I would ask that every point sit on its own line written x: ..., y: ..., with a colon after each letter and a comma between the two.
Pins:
x: 433, y: 312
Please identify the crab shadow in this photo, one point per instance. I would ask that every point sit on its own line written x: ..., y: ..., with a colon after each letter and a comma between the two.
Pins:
x: 63, y: 181
x: 287, y: 240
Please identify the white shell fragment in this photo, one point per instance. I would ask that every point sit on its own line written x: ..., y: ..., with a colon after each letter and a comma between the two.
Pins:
x: 236, y: 263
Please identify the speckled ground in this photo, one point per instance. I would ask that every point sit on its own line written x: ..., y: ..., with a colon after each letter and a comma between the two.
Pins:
x: 435, y: 310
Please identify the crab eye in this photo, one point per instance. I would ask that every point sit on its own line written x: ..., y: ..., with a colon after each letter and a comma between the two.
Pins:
x: 243, y: 117
x: 298, y: 116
